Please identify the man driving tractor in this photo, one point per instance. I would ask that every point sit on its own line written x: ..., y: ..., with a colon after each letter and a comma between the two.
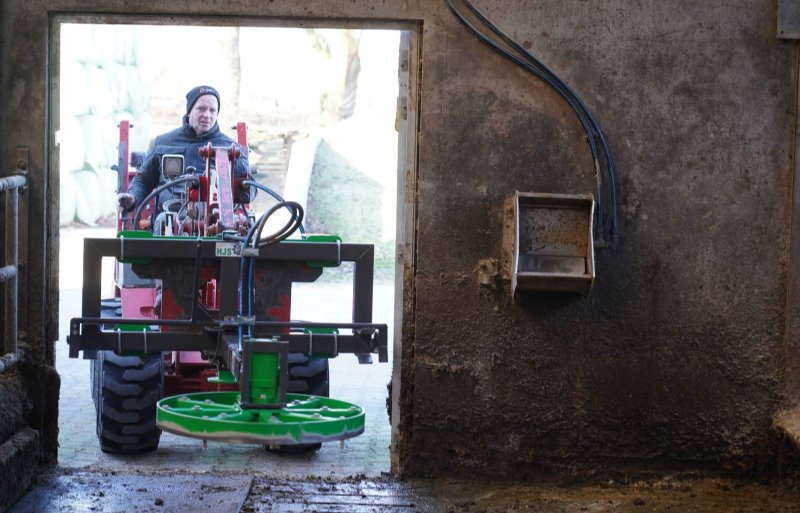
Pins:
x: 199, y: 127
x: 224, y: 326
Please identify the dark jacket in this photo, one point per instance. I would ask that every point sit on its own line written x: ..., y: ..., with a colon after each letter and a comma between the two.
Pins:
x: 181, y: 141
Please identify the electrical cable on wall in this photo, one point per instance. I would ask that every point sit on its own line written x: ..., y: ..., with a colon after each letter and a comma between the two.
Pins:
x: 596, y: 138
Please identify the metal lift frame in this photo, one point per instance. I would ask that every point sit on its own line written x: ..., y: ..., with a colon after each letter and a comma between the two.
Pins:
x: 219, y: 337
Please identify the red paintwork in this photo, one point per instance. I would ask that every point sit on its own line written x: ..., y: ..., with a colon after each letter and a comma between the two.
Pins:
x: 224, y: 172
x: 137, y: 303
x: 282, y: 312
x: 212, y: 295
x: 169, y: 308
x: 188, y: 372
x: 241, y: 134
x: 124, y: 150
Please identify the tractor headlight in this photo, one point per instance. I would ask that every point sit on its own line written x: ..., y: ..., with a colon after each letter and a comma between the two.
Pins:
x: 172, y: 166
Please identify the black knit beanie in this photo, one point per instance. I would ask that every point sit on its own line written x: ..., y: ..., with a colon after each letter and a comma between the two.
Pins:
x: 197, y: 92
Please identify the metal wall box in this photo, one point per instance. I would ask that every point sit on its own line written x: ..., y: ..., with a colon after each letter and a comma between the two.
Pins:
x: 553, y: 245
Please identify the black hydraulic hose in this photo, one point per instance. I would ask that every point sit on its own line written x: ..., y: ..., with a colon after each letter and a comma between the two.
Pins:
x: 253, y: 239
x: 291, y: 225
x: 587, y: 119
x: 552, y: 82
x: 611, y: 167
x: 534, y: 67
x: 278, y: 197
x: 612, y: 178
x: 253, y: 183
x: 178, y: 181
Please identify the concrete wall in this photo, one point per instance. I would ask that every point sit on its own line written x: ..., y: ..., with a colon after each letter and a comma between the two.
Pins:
x: 677, y: 359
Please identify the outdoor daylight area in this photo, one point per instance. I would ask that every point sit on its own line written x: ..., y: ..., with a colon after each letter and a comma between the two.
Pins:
x: 319, y: 105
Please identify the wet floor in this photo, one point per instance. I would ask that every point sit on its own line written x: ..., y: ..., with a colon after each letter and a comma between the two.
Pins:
x: 84, y: 491
x: 447, y: 496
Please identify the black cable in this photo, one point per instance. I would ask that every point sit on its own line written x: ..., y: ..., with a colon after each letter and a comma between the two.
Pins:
x: 559, y: 87
x: 568, y: 94
x: 178, y: 181
x: 253, y: 183
x: 611, y: 167
x: 599, y: 216
x: 291, y: 225
x: 587, y: 119
x: 253, y: 239
x: 278, y: 197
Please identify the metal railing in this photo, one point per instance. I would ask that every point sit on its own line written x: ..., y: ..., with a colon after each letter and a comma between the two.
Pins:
x: 9, y: 273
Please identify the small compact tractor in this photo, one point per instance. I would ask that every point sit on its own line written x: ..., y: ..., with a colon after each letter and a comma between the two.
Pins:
x: 198, y: 340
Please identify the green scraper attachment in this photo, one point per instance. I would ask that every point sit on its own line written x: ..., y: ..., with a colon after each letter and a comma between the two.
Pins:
x: 262, y: 412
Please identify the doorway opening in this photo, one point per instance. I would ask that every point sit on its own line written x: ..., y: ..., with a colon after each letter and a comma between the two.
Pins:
x: 321, y: 107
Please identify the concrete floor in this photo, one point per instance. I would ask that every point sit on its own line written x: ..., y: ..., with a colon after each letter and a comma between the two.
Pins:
x: 365, y: 385
x: 71, y: 491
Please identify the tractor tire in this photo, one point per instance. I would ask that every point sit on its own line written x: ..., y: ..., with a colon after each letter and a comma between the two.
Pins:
x: 126, y: 390
x: 310, y: 376
x: 111, y: 308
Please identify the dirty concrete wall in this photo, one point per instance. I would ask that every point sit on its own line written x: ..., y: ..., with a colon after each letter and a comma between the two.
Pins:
x: 676, y: 359
x: 28, y: 390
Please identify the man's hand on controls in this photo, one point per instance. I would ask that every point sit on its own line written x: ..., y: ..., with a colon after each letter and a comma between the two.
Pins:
x: 126, y: 201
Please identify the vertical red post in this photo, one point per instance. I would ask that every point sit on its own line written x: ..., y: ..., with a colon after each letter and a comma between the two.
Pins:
x: 122, y: 155
x: 241, y: 133
x: 225, y: 186
x: 123, y: 152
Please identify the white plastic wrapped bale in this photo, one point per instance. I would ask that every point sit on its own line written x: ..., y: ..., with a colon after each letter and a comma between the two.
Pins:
x: 107, y: 192
x: 108, y: 130
x: 75, y: 97
x: 134, y: 47
x: 86, y: 193
x: 95, y: 141
x: 139, y: 131
x: 102, y: 99
x: 71, y: 153
x: 140, y: 135
x: 118, y: 78
x: 104, y: 39
x: 77, y: 42
x: 120, y: 40
x: 67, y: 202
x: 137, y: 94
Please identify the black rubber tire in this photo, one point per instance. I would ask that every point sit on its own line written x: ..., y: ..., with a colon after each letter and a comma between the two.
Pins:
x: 111, y: 308
x: 126, y: 390
x: 310, y: 376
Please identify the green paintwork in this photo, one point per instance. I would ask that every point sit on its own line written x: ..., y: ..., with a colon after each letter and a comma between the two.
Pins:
x: 131, y: 327
x: 146, y: 234
x: 219, y: 416
x: 264, y: 374
x: 223, y: 377
x: 318, y: 237
x: 136, y: 234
